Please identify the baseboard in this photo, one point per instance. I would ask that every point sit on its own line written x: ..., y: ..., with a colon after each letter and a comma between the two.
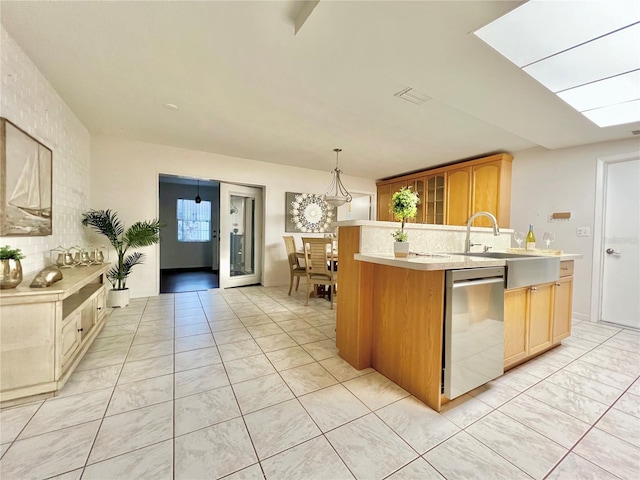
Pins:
x: 581, y: 316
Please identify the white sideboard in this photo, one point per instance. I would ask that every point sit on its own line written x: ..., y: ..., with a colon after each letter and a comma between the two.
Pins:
x: 44, y: 332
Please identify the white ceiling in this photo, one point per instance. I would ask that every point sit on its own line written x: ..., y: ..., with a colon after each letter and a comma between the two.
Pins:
x: 248, y: 86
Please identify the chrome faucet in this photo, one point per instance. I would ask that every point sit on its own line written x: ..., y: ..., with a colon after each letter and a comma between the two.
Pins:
x: 494, y: 222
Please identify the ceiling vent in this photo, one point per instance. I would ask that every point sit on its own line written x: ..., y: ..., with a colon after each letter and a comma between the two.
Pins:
x: 410, y: 95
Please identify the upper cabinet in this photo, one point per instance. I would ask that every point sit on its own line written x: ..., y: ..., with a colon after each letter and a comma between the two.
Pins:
x: 450, y: 195
x: 384, y: 198
x: 458, y: 195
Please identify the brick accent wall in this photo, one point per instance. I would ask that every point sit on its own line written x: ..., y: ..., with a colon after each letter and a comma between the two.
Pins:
x: 29, y: 101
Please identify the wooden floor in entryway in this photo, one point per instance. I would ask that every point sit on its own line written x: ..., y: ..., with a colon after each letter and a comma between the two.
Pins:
x: 176, y: 280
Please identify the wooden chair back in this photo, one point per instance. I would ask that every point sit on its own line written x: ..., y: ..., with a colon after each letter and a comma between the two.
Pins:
x: 290, y: 244
x: 319, y: 256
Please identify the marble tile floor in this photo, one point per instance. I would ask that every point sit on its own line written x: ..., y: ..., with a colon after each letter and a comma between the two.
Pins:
x: 247, y: 384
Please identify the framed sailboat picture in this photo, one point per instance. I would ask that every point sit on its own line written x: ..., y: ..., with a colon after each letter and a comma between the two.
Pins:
x: 25, y: 178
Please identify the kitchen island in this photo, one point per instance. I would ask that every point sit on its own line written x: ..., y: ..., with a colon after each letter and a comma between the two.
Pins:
x: 390, y: 314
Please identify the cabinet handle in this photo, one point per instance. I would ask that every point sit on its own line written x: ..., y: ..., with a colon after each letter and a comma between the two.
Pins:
x: 99, y: 308
x: 80, y: 329
x: 534, y: 289
x: 557, y: 284
x: 564, y: 268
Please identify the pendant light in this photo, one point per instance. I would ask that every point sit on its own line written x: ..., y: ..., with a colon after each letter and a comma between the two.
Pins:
x: 336, y: 194
x: 198, y: 199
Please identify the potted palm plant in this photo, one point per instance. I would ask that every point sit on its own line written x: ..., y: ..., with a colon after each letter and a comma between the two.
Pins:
x: 140, y: 234
x: 10, y: 267
x: 403, y: 206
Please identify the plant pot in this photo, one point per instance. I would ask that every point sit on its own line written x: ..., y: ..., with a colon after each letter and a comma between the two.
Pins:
x: 401, y: 249
x: 10, y: 273
x: 118, y: 298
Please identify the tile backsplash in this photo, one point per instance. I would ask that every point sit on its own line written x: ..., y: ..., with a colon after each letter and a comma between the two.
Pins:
x: 427, y: 238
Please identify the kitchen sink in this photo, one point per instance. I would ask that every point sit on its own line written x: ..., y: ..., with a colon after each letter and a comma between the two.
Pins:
x: 524, y: 270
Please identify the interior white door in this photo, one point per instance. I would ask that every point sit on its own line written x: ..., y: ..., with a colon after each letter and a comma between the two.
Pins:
x: 621, y: 256
x: 241, y: 222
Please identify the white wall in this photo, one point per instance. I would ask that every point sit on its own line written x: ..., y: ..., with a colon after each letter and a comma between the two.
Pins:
x: 30, y: 102
x: 563, y: 180
x: 124, y: 177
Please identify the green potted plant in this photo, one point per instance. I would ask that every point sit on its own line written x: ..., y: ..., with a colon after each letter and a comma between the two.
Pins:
x: 10, y: 267
x: 403, y: 206
x: 140, y: 234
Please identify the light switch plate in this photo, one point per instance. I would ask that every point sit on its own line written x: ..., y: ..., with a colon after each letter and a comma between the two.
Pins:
x: 583, y: 231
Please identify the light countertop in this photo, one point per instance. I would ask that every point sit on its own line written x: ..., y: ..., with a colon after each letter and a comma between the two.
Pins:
x: 448, y: 261
x: 442, y: 261
x: 545, y: 253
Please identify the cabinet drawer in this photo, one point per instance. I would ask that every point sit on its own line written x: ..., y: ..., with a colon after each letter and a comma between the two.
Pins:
x: 566, y: 268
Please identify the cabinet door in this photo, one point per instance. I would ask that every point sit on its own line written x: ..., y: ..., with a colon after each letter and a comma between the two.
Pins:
x: 393, y: 188
x: 515, y: 325
x: 485, y: 196
x: 70, y: 336
x: 87, y: 318
x: 384, y: 197
x: 101, y: 305
x: 540, y: 317
x: 458, y: 196
x: 419, y: 186
x: 562, y: 297
x: 434, y: 199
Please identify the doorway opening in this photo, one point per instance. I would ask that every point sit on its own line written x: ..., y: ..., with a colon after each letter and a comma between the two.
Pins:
x: 212, y: 236
x: 189, y: 208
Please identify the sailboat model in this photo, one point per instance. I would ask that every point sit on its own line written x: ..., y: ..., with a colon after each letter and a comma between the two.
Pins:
x: 32, y: 193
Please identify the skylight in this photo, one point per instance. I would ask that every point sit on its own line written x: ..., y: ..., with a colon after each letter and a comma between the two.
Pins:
x: 585, y: 51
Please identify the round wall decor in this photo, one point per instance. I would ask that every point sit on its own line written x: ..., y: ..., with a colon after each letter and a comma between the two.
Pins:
x: 310, y: 213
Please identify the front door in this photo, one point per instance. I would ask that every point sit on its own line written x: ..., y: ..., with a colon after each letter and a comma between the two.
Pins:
x: 621, y: 256
x: 241, y: 241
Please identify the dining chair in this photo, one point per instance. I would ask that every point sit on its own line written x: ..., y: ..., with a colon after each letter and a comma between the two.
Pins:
x: 295, y: 269
x: 319, y: 259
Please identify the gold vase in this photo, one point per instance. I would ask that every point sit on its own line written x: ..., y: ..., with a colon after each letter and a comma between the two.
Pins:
x: 10, y: 273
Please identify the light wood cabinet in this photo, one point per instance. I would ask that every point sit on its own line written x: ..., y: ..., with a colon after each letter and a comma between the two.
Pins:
x: 385, y: 193
x: 528, y: 320
x: 459, y: 190
x: 435, y: 199
x: 516, y: 323
x: 458, y: 196
x: 563, y: 293
x: 537, y: 318
x: 540, y: 317
x: 491, y: 191
x: 44, y: 332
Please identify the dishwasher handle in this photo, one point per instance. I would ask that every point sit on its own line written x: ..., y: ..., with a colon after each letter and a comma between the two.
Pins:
x: 480, y: 281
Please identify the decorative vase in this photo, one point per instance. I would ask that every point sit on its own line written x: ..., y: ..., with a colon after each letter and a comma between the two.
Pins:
x: 118, y: 298
x: 10, y: 273
x: 401, y: 249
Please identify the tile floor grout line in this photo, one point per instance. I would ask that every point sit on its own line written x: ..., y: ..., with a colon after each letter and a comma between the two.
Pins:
x: 173, y: 399
x: 113, y: 391
x: 496, y: 452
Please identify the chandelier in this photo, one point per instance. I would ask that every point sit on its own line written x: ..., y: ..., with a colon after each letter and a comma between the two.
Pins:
x: 336, y: 194
x: 198, y: 199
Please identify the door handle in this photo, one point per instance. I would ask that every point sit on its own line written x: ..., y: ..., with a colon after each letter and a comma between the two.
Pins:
x: 611, y: 251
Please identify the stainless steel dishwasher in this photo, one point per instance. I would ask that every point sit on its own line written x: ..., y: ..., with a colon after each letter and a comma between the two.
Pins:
x: 473, y: 350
